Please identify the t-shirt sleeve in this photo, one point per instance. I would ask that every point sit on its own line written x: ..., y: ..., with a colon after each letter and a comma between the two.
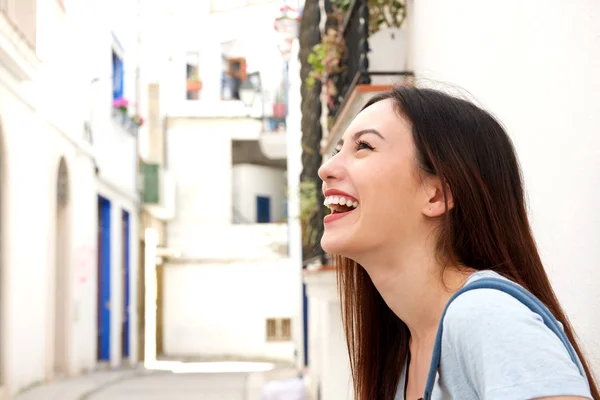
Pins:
x: 505, y: 351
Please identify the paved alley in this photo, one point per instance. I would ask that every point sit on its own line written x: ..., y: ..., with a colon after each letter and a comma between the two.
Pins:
x: 230, y: 386
x: 140, y: 384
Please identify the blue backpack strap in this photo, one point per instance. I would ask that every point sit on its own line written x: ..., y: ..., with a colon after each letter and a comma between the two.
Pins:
x: 518, y: 293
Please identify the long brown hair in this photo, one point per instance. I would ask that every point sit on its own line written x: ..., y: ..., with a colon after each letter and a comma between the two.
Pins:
x: 487, y: 228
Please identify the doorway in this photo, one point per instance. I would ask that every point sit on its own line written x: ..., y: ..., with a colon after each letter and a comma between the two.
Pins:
x: 263, y: 209
x: 125, y: 328
x: 103, y: 344
x: 61, y: 274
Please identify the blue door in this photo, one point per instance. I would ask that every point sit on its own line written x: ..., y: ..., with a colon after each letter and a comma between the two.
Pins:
x: 126, y: 282
x: 305, y: 323
x: 263, y: 209
x: 103, y: 279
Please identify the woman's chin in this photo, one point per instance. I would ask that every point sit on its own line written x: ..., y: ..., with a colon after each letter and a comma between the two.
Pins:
x: 334, y: 244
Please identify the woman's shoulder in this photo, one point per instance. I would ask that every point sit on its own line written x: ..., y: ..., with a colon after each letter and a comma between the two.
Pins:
x: 505, y: 348
x: 487, y: 307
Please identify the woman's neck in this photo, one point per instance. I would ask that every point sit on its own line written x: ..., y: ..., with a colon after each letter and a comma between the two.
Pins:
x: 416, y: 288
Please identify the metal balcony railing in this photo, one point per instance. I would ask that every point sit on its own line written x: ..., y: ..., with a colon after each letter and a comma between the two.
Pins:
x: 21, y: 14
x: 355, y: 62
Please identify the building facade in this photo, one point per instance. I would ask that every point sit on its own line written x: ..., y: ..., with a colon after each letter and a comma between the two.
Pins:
x: 60, y: 150
x: 229, y: 288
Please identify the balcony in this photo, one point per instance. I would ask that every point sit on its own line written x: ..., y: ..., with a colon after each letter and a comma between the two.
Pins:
x: 273, y: 144
x: 273, y: 138
x: 370, y: 63
x: 158, y: 196
x: 18, y: 38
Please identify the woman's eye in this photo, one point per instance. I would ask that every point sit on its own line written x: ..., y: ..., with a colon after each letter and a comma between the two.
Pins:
x: 337, y: 149
x: 362, y: 145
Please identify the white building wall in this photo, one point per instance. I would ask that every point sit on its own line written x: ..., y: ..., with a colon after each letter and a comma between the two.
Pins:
x: 294, y: 169
x: 199, y: 156
x: 250, y: 181
x: 329, y: 372
x: 31, y: 151
x: 84, y: 263
x: 41, y: 121
x: 217, y: 310
x: 539, y: 76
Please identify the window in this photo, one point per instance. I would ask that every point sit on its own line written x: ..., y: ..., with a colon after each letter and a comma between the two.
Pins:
x: 192, y: 73
x: 117, y: 67
x: 233, y: 75
x: 279, y: 329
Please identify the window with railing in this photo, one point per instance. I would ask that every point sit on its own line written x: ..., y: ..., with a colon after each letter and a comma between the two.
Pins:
x: 192, y: 72
x: 22, y: 16
x: 234, y: 74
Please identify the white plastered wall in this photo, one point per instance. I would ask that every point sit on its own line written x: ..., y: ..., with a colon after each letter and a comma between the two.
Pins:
x: 220, y: 310
x: 535, y: 66
x: 32, y: 147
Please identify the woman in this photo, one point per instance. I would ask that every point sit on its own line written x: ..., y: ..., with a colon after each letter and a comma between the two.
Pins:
x: 426, y: 196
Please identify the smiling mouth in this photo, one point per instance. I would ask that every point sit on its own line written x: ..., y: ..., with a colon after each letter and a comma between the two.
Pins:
x: 339, y: 206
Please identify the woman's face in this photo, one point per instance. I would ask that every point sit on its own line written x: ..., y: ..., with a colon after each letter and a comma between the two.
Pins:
x: 375, y: 174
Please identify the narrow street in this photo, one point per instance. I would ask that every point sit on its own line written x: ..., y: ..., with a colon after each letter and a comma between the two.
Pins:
x: 140, y: 384
x: 229, y: 386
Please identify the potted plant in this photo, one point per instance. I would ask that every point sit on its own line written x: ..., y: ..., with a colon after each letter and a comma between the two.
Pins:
x: 120, y: 107
x: 194, y: 84
x: 138, y: 120
x: 121, y: 104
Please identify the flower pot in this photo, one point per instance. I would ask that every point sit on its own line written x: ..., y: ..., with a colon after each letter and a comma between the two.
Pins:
x: 194, y: 86
x: 279, y: 110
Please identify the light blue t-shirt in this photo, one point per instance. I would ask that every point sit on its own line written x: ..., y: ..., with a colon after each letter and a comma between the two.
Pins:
x: 495, y: 348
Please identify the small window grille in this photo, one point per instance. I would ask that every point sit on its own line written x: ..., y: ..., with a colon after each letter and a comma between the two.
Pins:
x: 279, y: 329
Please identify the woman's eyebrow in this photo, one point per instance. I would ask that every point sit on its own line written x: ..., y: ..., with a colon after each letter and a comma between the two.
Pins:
x: 358, y: 134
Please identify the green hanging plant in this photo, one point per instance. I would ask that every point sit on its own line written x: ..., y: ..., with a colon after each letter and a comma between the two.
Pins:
x: 309, y: 211
x: 326, y: 56
x: 386, y: 13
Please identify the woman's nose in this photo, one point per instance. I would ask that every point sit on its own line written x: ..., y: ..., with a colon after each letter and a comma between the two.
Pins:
x: 329, y: 170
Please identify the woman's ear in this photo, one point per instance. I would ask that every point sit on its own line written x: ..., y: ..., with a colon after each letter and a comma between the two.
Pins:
x: 435, y: 204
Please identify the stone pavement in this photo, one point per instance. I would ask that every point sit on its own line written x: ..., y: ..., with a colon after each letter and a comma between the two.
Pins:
x: 77, y: 388
x: 140, y: 384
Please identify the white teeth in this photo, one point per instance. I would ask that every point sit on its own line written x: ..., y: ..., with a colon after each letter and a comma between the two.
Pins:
x: 338, y: 200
